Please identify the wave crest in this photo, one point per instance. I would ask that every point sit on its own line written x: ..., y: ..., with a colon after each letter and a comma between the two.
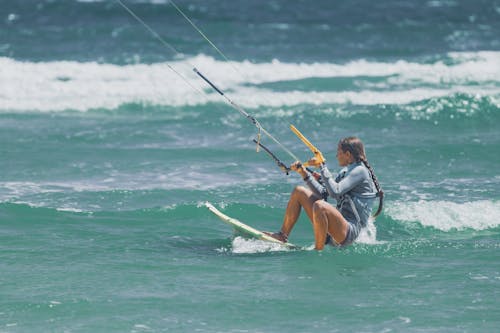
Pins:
x: 446, y: 215
x: 67, y: 85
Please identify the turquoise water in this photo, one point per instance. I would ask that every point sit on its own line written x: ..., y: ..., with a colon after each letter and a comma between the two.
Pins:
x: 107, y: 157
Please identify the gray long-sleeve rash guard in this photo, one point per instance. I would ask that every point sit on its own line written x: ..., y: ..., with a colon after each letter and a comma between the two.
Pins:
x: 353, y: 189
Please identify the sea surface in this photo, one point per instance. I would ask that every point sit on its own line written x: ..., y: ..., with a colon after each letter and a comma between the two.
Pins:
x: 110, y: 144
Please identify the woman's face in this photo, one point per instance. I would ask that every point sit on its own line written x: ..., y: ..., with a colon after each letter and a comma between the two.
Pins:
x: 344, y: 158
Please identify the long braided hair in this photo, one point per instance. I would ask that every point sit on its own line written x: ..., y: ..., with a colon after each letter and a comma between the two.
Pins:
x: 355, y: 146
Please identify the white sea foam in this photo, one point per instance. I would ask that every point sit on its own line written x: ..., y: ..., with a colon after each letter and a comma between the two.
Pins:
x: 243, y: 245
x: 368, y: 235
x: 446, y: 215
x: 67, y: 85
x: 23, y: 190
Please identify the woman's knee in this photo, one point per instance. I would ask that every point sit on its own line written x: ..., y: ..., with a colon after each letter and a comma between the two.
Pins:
x: 300, y: 188
x: 320, y: 206
x: 299, y: 191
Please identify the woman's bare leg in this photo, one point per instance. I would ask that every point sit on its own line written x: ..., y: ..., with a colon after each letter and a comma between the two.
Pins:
x: 327, y: 219
x: 300, y: 197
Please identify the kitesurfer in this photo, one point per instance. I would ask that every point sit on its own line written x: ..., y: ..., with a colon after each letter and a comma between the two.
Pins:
x: 354, y: 188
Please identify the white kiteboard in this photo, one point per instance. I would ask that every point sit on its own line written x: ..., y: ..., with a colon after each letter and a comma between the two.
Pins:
x: 246, y: 230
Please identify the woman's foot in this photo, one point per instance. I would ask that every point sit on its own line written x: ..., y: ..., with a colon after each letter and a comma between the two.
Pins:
x: 280, y: 235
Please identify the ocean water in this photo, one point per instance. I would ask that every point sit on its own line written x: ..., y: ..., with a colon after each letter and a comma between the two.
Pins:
x: 110, y: 144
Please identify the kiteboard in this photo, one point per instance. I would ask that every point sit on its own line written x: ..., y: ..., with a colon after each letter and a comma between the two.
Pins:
x: 246, y: 230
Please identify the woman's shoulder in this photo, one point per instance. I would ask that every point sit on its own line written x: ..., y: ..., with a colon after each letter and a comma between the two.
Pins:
x: 359, y: 169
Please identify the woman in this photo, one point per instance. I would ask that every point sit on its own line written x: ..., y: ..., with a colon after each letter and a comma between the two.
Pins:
x: 355, y: 189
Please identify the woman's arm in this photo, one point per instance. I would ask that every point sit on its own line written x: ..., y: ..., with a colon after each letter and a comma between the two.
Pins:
x: 315, y: 186
x: 310, y: 180
x: 336, y: 189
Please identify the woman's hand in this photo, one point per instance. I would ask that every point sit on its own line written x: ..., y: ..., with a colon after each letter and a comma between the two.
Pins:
x: 299, y: 168
x: 314, y: 162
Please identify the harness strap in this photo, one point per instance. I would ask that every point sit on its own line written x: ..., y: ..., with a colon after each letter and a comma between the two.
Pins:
x: 347, y: 197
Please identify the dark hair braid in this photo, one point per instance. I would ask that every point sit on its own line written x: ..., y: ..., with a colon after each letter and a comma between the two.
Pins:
x: 380, y: 193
